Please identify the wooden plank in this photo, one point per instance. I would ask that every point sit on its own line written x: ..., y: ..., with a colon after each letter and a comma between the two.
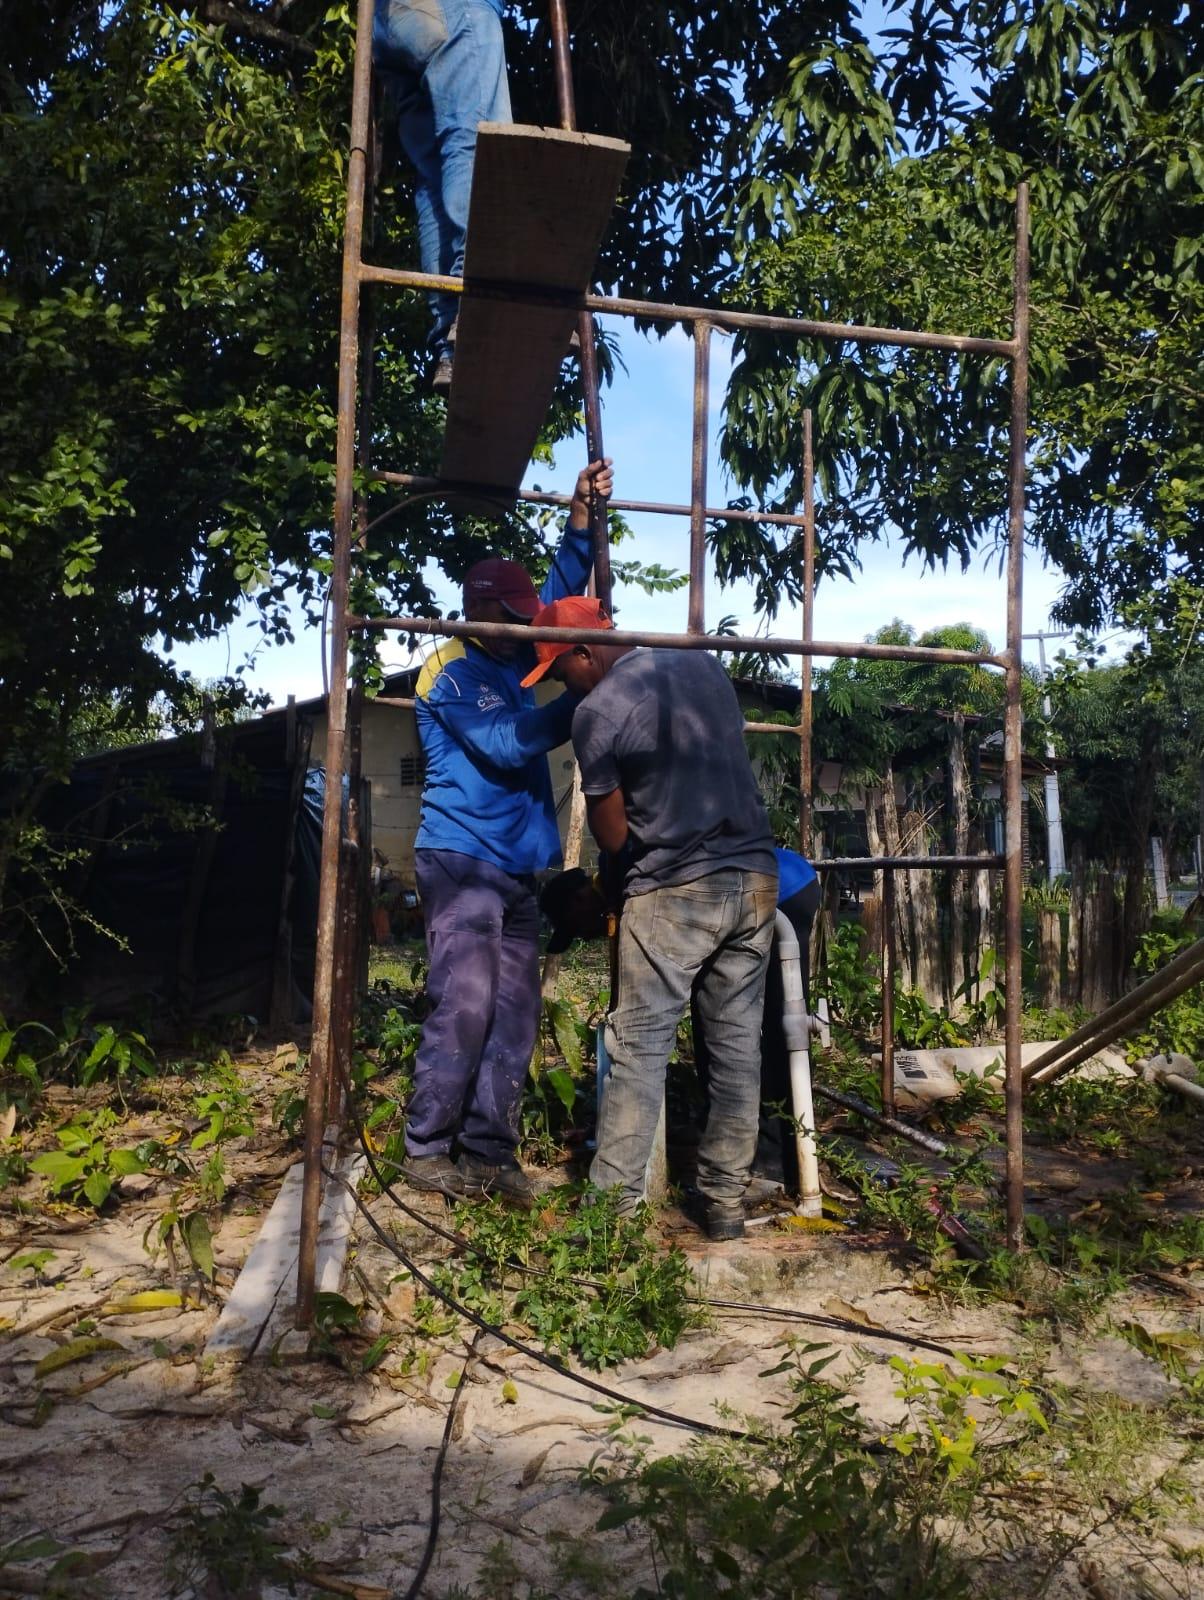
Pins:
x: 334, y: 1235
x: 541, y: 200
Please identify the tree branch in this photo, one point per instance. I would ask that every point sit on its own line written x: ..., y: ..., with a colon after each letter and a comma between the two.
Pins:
x: 219, y: 13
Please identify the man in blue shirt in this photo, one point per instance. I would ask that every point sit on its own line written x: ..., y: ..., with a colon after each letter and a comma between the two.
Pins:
x: 488, y: 826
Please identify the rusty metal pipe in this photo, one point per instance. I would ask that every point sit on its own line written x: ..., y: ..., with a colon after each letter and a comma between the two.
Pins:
x: 1129, y: 1009
x: 683, y: 641
x: 327, y: 972
x: 888, y: 991
x: 591, y: 403
x: 698, y: 478
x: 853, y: 1102
x: 806, y: 820
x: 719, y: 317
x: 545, y: 497
x: 839, y: 863
x: 562, y: 65
x: 1013, y: 869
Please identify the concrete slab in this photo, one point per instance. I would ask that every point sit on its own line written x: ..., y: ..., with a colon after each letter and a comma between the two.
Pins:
x: 259, y: 1311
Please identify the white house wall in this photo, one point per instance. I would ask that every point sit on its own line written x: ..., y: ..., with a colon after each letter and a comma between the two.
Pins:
x: 390, y: 739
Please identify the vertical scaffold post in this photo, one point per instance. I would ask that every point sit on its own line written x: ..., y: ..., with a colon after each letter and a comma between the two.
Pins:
x: 806, y: 826
x: 599, y: 530
x: 888, y: 989
x: 698, y: 478
x: 326, y: 975
x: 1013, y: 783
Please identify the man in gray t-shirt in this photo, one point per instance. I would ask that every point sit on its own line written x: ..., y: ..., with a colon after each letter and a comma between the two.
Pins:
x: 669, y: 790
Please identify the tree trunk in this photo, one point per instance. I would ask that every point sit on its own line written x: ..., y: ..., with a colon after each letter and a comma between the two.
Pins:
x: 904, y: 940
x: 959, y: 910
x: 572, y: 858
x: 1142, y: 814
x: 1074, y: 925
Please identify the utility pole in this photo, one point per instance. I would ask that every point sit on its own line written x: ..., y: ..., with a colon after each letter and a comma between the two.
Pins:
x: 1053, y: 799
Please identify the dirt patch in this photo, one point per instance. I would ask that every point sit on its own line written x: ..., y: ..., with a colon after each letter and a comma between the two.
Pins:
x: 104, y: 1454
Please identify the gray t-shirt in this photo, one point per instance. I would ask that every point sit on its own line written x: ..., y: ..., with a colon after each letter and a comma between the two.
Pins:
x: 664, y: 726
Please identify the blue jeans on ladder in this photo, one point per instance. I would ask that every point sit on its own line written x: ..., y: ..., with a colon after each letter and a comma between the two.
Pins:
x: 449, y: 62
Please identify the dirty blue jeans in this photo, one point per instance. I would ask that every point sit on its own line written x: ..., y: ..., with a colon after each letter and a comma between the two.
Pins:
x: 449, y: 67
x: 482, y: 938
x: 712, y: 937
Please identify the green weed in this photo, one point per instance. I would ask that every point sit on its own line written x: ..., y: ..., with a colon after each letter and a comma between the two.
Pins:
x: 33, y: 1054
x: 338, y: 1334
x: 644, y: 1295
x: 851, y: 981
x: 978, y: 1096
x: 920, y: 1026
x: 226, y: 1108
x: 85, y: 1167
x: 914, y: 1202
x: 223, y: 1544
x: 1108, y: 1114
x: 802, y: 1511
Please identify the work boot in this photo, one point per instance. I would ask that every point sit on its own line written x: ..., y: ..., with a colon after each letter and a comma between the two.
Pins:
x: 504, y: 1180
x: 761, y: 1187
x: 441, y: 375
x: 719, y: 1219
x: 432, y: 1174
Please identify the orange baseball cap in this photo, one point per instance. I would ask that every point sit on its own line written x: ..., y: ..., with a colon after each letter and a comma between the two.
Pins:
x: 575, y: 611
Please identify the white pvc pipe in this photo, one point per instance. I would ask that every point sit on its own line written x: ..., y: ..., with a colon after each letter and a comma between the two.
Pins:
x: 796, y: 1025
x: 1184, y: 1086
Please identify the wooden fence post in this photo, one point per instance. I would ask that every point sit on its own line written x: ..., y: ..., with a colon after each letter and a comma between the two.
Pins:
x: 1050, y: 946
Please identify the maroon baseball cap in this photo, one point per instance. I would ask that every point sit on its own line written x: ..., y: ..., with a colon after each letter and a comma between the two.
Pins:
x: 506, y: 581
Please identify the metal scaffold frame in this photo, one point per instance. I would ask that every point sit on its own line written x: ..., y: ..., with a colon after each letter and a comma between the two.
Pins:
x: 337, y: 933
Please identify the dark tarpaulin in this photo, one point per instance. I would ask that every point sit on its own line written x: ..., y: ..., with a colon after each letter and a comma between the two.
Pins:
x: 149, y: 872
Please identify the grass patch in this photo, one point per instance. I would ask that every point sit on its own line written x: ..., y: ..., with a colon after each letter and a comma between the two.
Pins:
x: 644, y: 1298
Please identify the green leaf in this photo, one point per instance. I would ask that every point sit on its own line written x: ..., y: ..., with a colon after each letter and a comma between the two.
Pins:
x: 97, y: 1188
x: 60, y: 1167
x: 103, y: 1047
x: 34, y: 1260
x: 564, y: 1028
x: 563, y: 1086
x: 198, y: 1241
x: 123, y: 1163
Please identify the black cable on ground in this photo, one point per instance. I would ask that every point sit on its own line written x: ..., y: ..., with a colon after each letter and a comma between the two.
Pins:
x: 640, y: 1407
x: 553, y: 1363
x: 775, y: 1313
x: 432, y: 1532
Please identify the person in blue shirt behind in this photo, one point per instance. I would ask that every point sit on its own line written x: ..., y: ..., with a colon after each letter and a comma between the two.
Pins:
x: 488, y: 826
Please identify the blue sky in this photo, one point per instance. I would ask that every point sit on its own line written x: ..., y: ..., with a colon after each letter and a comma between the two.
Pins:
x: 647, y: 429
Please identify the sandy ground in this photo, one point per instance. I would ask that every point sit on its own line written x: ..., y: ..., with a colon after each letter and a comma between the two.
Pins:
x: 101, y: 1454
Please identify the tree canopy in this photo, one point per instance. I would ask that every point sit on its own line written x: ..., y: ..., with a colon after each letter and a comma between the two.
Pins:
x: 171, y: 191
x: 1101, y: 108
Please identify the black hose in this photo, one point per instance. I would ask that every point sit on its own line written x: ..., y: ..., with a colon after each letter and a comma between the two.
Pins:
x: 775, y: 1313
x: 432, y: 1532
